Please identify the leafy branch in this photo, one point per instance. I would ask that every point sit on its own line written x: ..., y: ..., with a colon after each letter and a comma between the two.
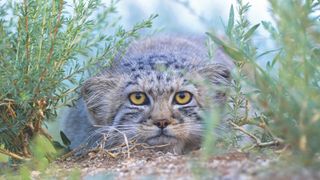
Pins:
x: 47, y: 50
x: 242, y: 50
x: 285, y: 93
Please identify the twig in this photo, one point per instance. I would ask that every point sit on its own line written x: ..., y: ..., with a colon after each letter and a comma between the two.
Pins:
x: 146, y: 146
x: 283, y: 149
x: 112, y: 155
x: 25, y: 149
x: 27, y: 29
x: 11, y: 154
x: 114, y: 151
x: 71, y: 153
x: 55, y: 31
x: 266, y: 127
x: 126, y: 141
x: 255, y: 138
x: 104, y: 140
x: 45, y: 133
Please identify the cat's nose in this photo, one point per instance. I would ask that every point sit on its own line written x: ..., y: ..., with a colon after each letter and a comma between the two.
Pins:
x: 163, y: 123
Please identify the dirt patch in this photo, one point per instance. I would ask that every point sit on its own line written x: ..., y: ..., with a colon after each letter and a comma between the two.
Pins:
x: 151, y: 164
x: 144, y: 163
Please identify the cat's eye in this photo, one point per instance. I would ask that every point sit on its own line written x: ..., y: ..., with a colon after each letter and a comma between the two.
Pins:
x: 138, y: 98
x: 182, y: 97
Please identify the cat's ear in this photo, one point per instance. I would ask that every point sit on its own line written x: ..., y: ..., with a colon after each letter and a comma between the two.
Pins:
x: 97, y: 86
x: 217, y: 74
x: 97, y: 93
x: 213, y: 83
x: 218, y: 69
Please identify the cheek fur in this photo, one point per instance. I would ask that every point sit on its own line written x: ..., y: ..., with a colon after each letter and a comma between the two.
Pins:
x: 190, y: 128
x: 189, y: 112
x: 146, y: 131
x: 187, y: 130
x: 129, y: 114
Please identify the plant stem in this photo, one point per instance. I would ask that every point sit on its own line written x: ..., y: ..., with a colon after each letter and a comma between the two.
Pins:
x: 11, y: 154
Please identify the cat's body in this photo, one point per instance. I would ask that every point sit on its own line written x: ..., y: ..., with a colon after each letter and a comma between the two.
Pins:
x: 154, y: 93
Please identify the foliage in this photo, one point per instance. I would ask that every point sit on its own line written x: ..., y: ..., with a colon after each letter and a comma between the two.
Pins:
x: 43, y: 45
x: 286, y: 92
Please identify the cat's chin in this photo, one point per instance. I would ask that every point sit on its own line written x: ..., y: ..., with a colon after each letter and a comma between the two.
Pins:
x: 166, y: 144
x: 162, y: 140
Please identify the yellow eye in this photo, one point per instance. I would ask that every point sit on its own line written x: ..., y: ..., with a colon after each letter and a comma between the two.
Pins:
x: 138, y: 98
x: 182, y: 97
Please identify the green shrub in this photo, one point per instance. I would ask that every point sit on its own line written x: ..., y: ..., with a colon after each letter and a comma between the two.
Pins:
x: 287, y: 91
x: 43, y: 45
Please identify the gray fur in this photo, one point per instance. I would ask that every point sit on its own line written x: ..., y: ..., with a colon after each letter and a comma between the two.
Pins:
x: 160, y: 67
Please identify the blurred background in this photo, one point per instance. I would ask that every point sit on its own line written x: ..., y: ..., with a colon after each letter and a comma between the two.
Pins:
x: 195, y: 17
x: 198, y: 17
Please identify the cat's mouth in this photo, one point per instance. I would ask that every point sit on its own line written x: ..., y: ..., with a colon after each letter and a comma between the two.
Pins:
x: 162, y: 135
x: 162, y: 138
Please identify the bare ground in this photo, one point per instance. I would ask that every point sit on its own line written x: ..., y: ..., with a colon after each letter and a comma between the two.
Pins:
x: 150, y: 164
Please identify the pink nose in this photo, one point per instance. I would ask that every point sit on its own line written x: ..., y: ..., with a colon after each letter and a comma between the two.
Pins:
x: 163, y: 123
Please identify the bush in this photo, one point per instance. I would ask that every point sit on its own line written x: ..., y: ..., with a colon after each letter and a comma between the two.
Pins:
x: 286, y: 92
x: 42, y: 47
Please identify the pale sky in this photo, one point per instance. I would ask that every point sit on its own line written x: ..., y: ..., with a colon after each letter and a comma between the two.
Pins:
x: 173, y: 16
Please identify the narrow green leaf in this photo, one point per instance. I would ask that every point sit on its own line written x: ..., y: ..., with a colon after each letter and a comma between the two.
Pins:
x: 251, y: 31
x: 232, y: 52
x: 269, y: 27
x: 275, y: 59
x: 215, y: 39
x: 267, y: 52
x: 230, y: 21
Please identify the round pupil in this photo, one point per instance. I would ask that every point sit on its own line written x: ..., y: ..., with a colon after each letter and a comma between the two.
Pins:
x: 182, y: 95
x: 138, y: 96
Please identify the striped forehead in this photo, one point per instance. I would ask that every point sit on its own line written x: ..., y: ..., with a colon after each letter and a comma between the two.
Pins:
x: 152, y: 62
x: 156, y: 83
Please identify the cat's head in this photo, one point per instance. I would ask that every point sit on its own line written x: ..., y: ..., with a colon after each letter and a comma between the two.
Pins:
x: 158, y: 105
